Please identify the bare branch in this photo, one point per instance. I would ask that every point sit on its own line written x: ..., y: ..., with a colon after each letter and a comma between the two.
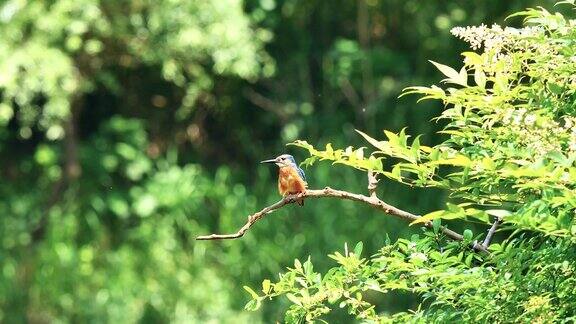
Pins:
x: 265, y: 103
x: 350, y: 94
x: 251, y: 220
x: 329, y: 192
x: 491, y: 232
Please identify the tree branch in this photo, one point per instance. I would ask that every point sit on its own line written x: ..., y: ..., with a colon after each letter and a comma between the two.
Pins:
x: 70, y: 165
x: 265, y: 103
x: 351, y: 94
x: 329, y: 192
x: 491, y: 232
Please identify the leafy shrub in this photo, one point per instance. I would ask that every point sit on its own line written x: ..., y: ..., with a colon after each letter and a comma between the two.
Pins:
x: 509, y: 154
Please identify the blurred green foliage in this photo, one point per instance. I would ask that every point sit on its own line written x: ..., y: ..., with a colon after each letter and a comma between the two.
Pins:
x: 129, y: 127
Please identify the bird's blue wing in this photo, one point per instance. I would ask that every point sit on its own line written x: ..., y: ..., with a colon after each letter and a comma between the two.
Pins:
x: 301, y: 173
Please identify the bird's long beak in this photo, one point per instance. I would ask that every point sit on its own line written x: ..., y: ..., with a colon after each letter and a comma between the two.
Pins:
x: 269, y: 161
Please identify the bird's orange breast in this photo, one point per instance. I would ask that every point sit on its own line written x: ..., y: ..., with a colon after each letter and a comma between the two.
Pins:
x: 289, y: 182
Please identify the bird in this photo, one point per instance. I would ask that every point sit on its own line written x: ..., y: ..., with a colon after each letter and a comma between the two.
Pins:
x: 291, y: 179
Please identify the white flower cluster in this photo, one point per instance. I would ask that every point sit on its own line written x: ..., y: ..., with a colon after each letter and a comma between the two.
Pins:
x: 540, y: 134
x: 516, y: 117
x: 494, y: 37
x: 474, y: 35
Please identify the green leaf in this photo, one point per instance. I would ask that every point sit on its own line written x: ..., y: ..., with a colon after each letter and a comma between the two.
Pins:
x: 308, y: 267
x: 452, y: 75
x: 449, y: 72
x: 251, y: 292
x: 436, y: 223
x: 266, y: 285
x: 329, y: 149
x: 402, y: 137
x: 396, y: 172
x: 393, y: 139
x: 459, y: 160
x: 358, y: 249
x: 294, y: 299
x: 297, y: 265
x: 559, y: 158
x: 453, y: 212
x: 369, y: 139
x: 488, y: 164
x: 428, y: 217
x: 498, y: 212
x: 253, y: 305
x: 473, y: 58
x: 415, y: 150
x: 433, y: 92
x: 480, y: 78
x: 468, y: 260
x: 462, y: 77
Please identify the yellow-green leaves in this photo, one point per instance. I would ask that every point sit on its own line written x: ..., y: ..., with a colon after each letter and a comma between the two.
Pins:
x: 396, y: 146
x: 256, y: 300
x: 458, y: 160
x: 453, y: 76
x: 464, y: 211
x: 433, y: 92
x: 252, y: 293
x: 350, y: 156
x: 266, y: 286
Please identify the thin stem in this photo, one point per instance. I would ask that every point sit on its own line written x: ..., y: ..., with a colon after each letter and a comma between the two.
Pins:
x: 491, y: 232
x: 372, y: 183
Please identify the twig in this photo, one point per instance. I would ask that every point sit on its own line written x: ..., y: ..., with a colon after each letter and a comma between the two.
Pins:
x: 329, y: 192
x: 351, y: 94
x: 265, y: 103
x: 491, y: 232
x: 372, y: 183
x: 251, y: 220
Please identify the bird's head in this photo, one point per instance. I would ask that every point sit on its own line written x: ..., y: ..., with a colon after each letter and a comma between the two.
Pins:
x: 282, y: 161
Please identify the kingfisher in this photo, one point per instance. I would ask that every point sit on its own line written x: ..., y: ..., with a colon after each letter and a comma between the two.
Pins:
x: 291, y: 179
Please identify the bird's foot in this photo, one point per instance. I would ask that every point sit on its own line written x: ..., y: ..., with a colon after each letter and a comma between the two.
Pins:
x: 290, y: 197
x: 294, y: 197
